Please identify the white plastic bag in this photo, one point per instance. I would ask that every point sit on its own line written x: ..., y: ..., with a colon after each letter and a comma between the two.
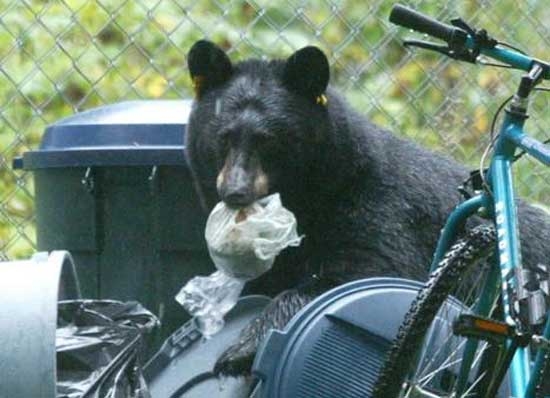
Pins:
x: 243, y: 244
x: 209, y: 298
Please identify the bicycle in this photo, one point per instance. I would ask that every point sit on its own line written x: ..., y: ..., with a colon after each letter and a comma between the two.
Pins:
x: 497, y: 314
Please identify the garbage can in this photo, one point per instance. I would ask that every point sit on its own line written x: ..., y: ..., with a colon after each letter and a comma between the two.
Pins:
x: 112, y: 187
x: 31, y: 290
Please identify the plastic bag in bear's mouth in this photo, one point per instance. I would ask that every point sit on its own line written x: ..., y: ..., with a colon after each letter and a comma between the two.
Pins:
x: 243, y: 244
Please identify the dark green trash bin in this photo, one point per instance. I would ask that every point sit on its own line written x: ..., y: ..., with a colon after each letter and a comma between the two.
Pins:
x: 113, y: 188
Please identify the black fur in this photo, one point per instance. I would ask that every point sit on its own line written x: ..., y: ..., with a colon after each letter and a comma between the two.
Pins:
x: 368, y: 202
x: 239, y: 357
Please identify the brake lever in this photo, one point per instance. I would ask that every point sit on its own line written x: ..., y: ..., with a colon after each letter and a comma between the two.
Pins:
x: 461, y: 54
x: 426, y: 45
x: 442, y: 49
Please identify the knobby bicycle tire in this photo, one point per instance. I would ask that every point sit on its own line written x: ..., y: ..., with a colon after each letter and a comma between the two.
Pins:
x: 477, y: 244
x: 543, y: 388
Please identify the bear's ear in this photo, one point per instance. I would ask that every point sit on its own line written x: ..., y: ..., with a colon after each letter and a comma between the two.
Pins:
x: 208, y: 65
x: 307, y: 73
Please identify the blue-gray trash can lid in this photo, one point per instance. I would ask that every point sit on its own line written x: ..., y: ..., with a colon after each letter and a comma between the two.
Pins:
x: 130, y: 133
x: 336, y: 344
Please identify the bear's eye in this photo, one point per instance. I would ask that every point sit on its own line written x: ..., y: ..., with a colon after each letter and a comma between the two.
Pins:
x: 229, y: 134
x: 224, y: 138
x: 269, y: 139
x: 224, y: 134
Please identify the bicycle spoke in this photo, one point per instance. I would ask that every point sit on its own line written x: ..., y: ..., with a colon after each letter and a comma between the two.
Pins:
x: 452, y: 355
x: 479, y: 355
x: 440, y: 348
x: 431, y: 375
x: 474, y: 384
x: 445, y: 344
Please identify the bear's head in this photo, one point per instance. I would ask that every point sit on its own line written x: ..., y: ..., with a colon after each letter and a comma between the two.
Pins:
x: 256, y: 126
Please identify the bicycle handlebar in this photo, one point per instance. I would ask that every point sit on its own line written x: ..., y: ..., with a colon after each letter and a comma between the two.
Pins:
x: 409, y: 18
x: 460, y: 40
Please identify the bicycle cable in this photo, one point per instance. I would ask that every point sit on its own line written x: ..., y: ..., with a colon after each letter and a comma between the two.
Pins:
x: 481, y: 62
x: 491, y: 145
x: 494, y: 136
x: 504, y: 44
x: 521, y: 153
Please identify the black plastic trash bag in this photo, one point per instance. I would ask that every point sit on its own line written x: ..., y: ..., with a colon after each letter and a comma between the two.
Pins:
x: 98, y: 344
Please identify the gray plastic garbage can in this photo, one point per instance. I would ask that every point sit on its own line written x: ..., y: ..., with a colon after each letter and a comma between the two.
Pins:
x: 113, y: 188
x: 28, y: 318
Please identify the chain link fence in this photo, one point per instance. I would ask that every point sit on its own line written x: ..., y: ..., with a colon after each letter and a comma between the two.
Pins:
x: 65, y: 56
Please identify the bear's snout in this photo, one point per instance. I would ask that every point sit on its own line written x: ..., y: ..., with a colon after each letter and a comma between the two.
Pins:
x: 241, y: 181
x: 234, y: 187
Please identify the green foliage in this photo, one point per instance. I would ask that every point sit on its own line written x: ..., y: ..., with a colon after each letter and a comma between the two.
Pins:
x: 61, y: 57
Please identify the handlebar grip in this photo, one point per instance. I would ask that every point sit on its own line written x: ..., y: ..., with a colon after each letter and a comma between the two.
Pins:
x: 412, y: 19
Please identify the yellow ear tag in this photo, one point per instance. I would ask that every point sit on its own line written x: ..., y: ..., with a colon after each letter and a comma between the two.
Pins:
x: 322, y: 100
x: 198, y: 82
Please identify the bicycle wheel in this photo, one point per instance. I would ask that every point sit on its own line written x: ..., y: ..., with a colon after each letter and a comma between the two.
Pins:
x: 426, y: 357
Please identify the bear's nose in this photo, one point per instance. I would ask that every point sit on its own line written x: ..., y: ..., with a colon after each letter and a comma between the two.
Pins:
x: 237, y: 199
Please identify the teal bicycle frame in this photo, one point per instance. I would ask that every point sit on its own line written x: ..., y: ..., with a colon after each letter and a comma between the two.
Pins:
x: 501, y: 205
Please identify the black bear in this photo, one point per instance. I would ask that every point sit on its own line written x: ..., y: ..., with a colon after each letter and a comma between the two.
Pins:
x: 369, y: 203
